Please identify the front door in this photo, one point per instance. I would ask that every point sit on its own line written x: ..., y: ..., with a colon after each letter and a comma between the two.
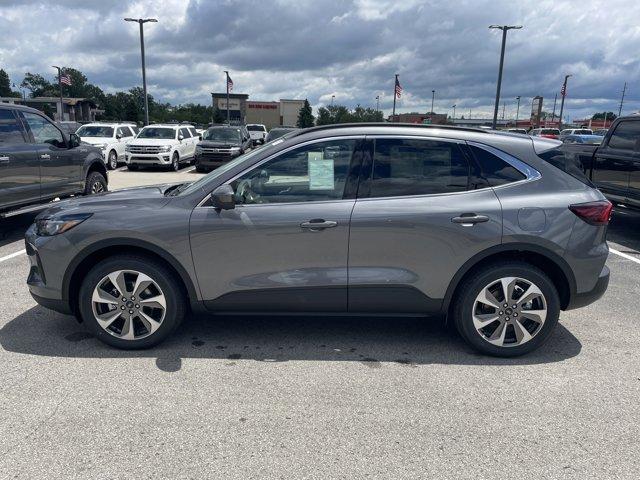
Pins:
x: 284, y: 247
x: 420, y: 215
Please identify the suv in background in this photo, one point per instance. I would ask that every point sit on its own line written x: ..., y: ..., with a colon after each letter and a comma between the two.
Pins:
x: 545, y: 133
x: 341, y: 218
x: 575, y: 131
x: 39, y: 163
x: 219, y: 145
x: 257, y: 132
x: 277, y: 132
x: 162, y: 145
x: 110, y: 138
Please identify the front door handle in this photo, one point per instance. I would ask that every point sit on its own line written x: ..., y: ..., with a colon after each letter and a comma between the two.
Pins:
x: 4, y: 159
x: 45, y: 156
x: 318, y: 224
x: 470, y: 219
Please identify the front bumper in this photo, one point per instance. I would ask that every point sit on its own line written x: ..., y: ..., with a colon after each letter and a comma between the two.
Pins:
x: 147, y: 158
x: 213, y: 160
x: 583, y: 299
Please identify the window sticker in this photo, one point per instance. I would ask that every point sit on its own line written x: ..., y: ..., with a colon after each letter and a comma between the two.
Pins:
x: 320, y: 172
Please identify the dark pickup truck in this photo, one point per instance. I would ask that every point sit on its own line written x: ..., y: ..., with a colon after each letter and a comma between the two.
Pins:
x: 614, y: 165
x: 39, y: 163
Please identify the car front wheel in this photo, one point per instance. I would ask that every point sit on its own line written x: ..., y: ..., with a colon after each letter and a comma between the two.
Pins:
x: 95, y: 183
x: 112, y: 161
x: 131, y: 302
x: 506, y: 309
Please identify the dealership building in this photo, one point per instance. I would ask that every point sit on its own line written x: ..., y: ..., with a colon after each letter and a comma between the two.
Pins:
x: 271, y: 114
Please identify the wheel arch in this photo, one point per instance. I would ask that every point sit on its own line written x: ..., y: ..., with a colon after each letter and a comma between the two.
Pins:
x: 549, y: 262
x: 98, y: 166
x: 93, y: 254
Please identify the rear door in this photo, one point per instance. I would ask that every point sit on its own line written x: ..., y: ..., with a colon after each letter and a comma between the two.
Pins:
x: 19, y: 163
x: 188, y: 147
x: 126, y: 134
x: 418, y: 218
x: 614, y: 161
x: 60, y: 166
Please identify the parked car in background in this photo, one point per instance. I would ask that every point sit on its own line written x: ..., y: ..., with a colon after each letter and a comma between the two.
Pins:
x: 601, y: 131
x: 614, y: 165
x: 257, y: 132
x: 586, y: 139
x: 167, y: 146
x: 523, y: 131
x: 110, y: 138
x: 307, y: 224
x: 39, y: 162
x: 545, y: 132
x: 69, y: 127
x: 278, y: 132
x: 219, y: 145
x: 575, y: 131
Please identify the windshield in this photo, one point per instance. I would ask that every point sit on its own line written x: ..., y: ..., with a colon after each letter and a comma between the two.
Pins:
x: 229, y: 135
x: 95, y: 131
x: 155, y: 132
x: 255, y: 128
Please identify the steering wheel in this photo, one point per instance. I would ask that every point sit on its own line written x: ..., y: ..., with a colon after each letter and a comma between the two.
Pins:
x: 245, y: 193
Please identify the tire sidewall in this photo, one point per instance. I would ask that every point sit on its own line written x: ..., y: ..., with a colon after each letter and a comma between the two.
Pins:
x: 173, y: 296
x: 112, y: 166
x: 175, y: 162
x: 93, y: 178
x: 470, y: 290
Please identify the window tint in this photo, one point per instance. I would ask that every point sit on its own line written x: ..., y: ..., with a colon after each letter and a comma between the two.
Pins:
x: 185, y: 133
x: 310, y: 173
x: 626, y: 135
x: 43, y: 130
x: 193, y: 132
x: 568, y: 161
x: 10, y: 129
x: 417, y: 167
x: 124, y: 132
x: 494, y: 169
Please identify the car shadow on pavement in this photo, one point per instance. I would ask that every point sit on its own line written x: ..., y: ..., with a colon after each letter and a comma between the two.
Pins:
x: 624, y: 229
x: 12, y: 229
x: 372, y: 341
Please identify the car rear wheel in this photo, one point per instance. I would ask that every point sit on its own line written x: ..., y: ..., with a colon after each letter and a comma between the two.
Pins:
x: 95, y: 183
x: 131, y: 302
x: 112, y: 161
x: 506, y: 309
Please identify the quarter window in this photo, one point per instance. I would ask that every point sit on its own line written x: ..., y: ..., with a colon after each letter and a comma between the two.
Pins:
x: 626, y: 135
x: 10, y: 129
x: 495, y: 170
x: 417, y: 167
x: 314, y: 172
x: 43, y: 130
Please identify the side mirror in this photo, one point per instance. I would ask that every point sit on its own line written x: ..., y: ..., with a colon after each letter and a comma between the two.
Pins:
x: 223, y: 198
x: 118, y: 136
x: 74, y: 140
x: 180, y: 137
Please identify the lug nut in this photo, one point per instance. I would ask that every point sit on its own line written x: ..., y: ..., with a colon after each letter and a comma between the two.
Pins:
x: 131, y: 311
x: 124, y: 299
x: 515, y: 314
x: 137, y: 306
x: 506, y: 305
x: 500, y: 313
x: 133, y: 298
x: 122, y: 307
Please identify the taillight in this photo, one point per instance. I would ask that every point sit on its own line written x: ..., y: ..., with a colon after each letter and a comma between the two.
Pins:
x: 594, y: 213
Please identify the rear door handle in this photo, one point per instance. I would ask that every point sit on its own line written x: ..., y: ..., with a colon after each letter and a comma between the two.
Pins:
x: 470, y: 219
x: 4, y: 159
x: 318, y: 224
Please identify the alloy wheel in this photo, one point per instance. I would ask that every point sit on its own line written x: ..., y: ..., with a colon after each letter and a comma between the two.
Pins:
x: 113, y: 160
x: 509, y: 312
x: 97, y: 187
x: 128, y: 304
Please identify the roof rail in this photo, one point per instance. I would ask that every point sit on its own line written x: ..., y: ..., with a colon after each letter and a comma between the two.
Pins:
x: 388, y: 124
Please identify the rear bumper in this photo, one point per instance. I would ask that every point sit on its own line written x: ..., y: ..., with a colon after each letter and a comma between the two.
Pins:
x: 583, y: 299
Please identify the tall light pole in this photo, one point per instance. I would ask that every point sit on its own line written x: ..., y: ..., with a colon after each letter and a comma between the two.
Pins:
x: 624, y: 89
x: 141, y: 22
x: 517, y: 109
x: 553, y: 114
x: 504, y: 29
x: 60, y: 87
x: 332, y: 97
x: 433, y: 97
x: 454, y: 110
x: 377, y: 103
x: 563, y: 93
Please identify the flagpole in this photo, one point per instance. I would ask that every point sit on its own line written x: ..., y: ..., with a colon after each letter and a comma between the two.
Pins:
x: 563, y: 93
x: 394, y: 98
x: 60, y: 87
x: 228, y: 118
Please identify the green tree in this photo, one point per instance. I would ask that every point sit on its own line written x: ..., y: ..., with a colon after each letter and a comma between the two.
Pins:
x: 600, y: 116
x: 305, y: 116
x: 38, y: 85
x: 5, y: 86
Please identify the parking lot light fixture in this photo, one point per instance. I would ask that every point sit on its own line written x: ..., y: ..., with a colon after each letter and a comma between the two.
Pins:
x: 517, y: 109
x: 563, y: 93
x: 504, y: 29
x: 141, y: 22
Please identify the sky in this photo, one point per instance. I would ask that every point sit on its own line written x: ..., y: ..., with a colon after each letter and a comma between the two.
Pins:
x: 347, y: 48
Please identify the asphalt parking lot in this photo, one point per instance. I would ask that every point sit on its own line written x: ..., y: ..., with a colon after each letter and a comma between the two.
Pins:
x: 298, y: 397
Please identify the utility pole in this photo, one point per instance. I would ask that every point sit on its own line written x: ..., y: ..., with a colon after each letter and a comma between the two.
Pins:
x: 433, y: 97
x: 553, y: 114
x: 228, y: 117
x: 504, y: 29
x: 60, y: 87
x: 395, y: 94
x: 563, y: 93
x: 504, y: 106
x: 605, y: 119
x: 332, y: 97
x: 141, y: 22
x: 517, y: 109
x: 624, y: 89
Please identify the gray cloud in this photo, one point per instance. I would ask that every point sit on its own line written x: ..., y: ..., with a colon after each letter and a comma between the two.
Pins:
x: 350, y: 49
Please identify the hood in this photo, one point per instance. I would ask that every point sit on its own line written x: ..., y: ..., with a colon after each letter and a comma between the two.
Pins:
x: 151, y: 197
x: 217, y: 144
x: 152, y: 141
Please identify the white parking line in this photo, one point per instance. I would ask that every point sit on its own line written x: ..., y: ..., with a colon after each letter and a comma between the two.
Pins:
x: 624, y: 255
x: 11, y: 255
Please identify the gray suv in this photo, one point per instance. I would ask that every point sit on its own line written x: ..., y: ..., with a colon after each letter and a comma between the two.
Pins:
x: 496, y: 231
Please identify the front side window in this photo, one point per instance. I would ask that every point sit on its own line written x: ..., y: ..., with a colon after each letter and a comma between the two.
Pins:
x: 417, y: 167
x: 315, y: 172
x: 626, y: 135
x: 185, y: 133
x: 10, y: 129
x: 124, y: 132
x: 43, y: 130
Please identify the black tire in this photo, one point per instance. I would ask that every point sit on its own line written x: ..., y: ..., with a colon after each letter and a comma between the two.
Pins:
x: 472, y: 285
x: 175, y: 162
x: 133, y: 168
x: 95, y: 183
x: 112, y: 160
x: 176, y: 305
x: 200, y: 169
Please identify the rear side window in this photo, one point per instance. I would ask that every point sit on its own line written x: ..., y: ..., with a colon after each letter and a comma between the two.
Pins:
x: 417, y: 167
x: 567, y: 161
x: 626, y: 135
x: 495, y: 170
x: 10, y: 129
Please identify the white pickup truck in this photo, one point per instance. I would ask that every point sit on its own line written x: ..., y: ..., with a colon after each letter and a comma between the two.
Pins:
x: 258, y: 133
x: 162, y: 145
x: 110, y: 138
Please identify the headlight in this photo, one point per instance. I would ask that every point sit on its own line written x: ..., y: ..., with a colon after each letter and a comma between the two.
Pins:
x: 165, y: 148
x: 100, y: 145
x: 234, y: 149
x: 46, y: 227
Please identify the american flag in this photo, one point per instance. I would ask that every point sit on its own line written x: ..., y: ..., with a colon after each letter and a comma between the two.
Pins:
x: 563, y: 90
x: 229, y: 83
x: 66, y: 79
x: 398, y: 88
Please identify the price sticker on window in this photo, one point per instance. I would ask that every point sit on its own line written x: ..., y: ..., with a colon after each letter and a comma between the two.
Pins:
x: 321, y: 172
